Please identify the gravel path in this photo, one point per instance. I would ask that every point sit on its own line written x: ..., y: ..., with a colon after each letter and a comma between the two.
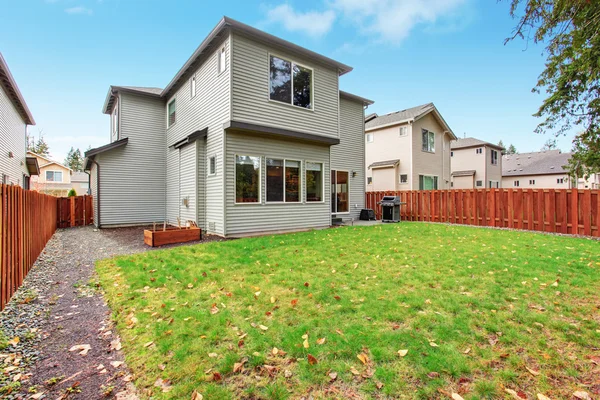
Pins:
x: 58, y: 307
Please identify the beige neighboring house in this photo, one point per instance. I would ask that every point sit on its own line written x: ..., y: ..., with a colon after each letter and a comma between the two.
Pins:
x: 475, y: 164
x: 80, y: 181
x: 408, y: 150
x: 541, y: 169
x: 592, y: 182
x: 54, y: 178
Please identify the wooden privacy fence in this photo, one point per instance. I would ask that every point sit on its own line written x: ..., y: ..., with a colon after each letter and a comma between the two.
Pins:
x: 28, y: 219
x: 571, y: 211
x: 74, y: 211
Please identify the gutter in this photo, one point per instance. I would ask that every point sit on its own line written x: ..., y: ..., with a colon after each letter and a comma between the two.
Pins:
x: 98, y: 187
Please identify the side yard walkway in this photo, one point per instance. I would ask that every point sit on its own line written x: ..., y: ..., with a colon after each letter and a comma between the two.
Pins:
x: 58, y: 342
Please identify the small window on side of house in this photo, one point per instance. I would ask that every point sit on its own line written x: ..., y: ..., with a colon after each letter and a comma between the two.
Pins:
x: 560, y: 180
x: 479, y: 150
x: 212, y: 165
x: 369, y: 180
x: 171, y: 111
x: 532, y: 181
x: 222, y: 60
x: 193, y: 86
x: 403, y: 178
x: 494, y: 154
x: 428, y: 141
x: 403, y: 131
x: 516, y: 183
x: 370, y: 138
x: 479, y: 183
x: 451, y: 154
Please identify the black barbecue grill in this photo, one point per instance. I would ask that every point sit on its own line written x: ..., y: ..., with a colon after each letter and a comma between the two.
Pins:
x: 390, y: 208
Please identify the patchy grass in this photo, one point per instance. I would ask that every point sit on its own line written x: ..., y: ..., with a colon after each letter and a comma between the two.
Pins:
x: 475, y: 308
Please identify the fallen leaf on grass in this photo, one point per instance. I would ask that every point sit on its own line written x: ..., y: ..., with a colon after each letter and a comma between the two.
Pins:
x: 516, y: 395
x: 294, y: 302
x: 580, y: 394
x: 214, y: 309
x: 264, y: 328
x: 378, y: 384
x: 213, y: 355
x: 149, y: 344
x: 273, y: 299
x: 311, y: 359
x: 456, y: 396
x: 163, y: 384
x: 467, y: 350
x: 239, y: 366
x: 306, y: 284
x: 81, y: 348
x: 433, y: 375
x: 196, y: 395
x: 402, y: 353
x: 115, y: 344
x: 321, y: 341
x: 542, y: 397
x: 363, y: 358
x: 332, y: 376
x: 433, y: 344
x: 14, y: 341
x: 533, y: 372
x: 354, y: 371
x: 37, y: 395
x: 217, y: 377
x: 337, y: 297
x: 287, y: 373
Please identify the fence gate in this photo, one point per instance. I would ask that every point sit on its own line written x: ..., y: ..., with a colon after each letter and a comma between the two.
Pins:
x: 74, y: 211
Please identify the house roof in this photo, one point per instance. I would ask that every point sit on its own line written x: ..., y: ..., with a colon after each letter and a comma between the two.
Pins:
x: 208, y: 46
x: 106, y: 147
x: 407, y: 115
x: 354, y: 97
x: 469, y: 172
x: 47, y: 160
x: 32, y: 165
x: 370, y: 117
x: 384, y: 164
x: 113, y: 90
x: 537, y: 163
x: 14, y: 94
x: 463, y: 143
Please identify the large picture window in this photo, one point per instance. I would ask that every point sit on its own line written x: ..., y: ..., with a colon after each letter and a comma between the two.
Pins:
x: 428, y: 138
x: 339, y: 191
x: 314, y: 182
x: 247, y: 179
x: 290, y: 83
x: 283, y: 180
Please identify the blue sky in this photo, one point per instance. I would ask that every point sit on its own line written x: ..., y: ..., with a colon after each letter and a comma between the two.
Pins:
x: 64, y: 54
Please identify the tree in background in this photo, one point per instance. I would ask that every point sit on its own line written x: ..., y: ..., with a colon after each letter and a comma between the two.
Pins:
x: 74, y: 160
x: 570, y: 29
x: 40, y: 146
x: 511, y: 149
x: 549, y: 145
x: 501, y: 144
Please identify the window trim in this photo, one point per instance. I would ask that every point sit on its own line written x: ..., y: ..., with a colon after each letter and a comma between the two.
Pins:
x: 209, y: 158
x: 430, y: 176
x: 479, y: 150
x: 422, y: 149
x: 492, y: 152
x: 260, y: 178
x: 221, y: 68
x: 312, y: 82
x: 516, y: 183
x: 349, y: 191
x: 306, y: 201
x: 284, y: 185
x: 400, y: 179
x: 193, y: 86
x: 173, y: 99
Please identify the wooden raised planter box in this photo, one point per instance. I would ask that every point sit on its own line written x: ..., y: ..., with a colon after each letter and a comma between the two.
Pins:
x: 171, y: 235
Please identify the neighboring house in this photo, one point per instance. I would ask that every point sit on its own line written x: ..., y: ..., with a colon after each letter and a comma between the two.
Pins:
x: 592, y: 182
x: 408, y: 150
x: 251, y: 136
x: 475, y: 164
x: 542, y: 169
x: 54, y: 178
x: 15, y: 166
x: 80, y: 181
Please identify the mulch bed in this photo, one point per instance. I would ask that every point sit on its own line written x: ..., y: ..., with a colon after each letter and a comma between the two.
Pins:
x: 59, y: 307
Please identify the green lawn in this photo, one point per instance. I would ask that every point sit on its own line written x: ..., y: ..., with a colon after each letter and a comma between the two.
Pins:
x: 324, y: 313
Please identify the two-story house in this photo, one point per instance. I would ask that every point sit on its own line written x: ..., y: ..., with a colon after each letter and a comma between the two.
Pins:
x: 54, y: 178
x: 252, y: 135
x: 408, y: 150
x: 475, y: 164
x: 539, y: 169
x: 15, y: 166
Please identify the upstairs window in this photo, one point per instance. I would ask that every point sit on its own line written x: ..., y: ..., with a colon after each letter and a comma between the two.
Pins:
x: 290, y: 83
x: 532, y: 181
x: 403, y: 131
x: 479, y: 151
x: 53, y: 176
x: 222, y: 60
x: 212, y: 165
x: 171, y: 113
x: 428, y: 139
x: 516, y: 183
x: 494, y: 157
x: 193, y: 86
x: 369, y: 138
x: 560, y: 180
x: 115, y: 121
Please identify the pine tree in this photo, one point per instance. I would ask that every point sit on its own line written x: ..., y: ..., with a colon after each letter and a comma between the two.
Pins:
x: 74, y: 160
x: 511, y: 149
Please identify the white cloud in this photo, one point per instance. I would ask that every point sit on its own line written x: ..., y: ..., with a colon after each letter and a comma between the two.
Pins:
x: 393, y: 20
x: 78, y: 10
x: 313, y: 23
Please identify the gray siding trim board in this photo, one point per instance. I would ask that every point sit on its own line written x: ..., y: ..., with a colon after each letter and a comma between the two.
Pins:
x: 287, y: 133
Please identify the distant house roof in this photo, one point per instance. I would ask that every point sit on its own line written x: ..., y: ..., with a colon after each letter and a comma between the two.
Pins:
x: 370, y: 117
x: 384, y: 164
x: 469, y: 172
x: 472, y: 142
x: 407, y: 115
x: 79, y: 177
x: 536, y: 163
x: 47, y: 161
x: 14, y: 94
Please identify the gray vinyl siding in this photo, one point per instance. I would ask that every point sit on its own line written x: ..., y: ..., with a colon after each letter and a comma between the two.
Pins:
x: 12, y: 139
x: 250, y: 92
x: 132, y: 177
x: 210, y: 108
x: 349, y: 155
x: 187, y: 182
x: 264, y: 217
x: 94, y: 191
x: 200, y: 209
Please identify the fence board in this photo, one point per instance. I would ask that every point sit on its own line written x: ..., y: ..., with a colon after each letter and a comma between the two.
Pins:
x: 569, y: 211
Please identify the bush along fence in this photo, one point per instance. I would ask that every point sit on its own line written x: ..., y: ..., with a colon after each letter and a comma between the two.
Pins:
x: 28, y: 219
x: 570, y: 211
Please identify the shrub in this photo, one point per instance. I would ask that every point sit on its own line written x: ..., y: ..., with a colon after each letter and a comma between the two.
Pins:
x: 72, y: 193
